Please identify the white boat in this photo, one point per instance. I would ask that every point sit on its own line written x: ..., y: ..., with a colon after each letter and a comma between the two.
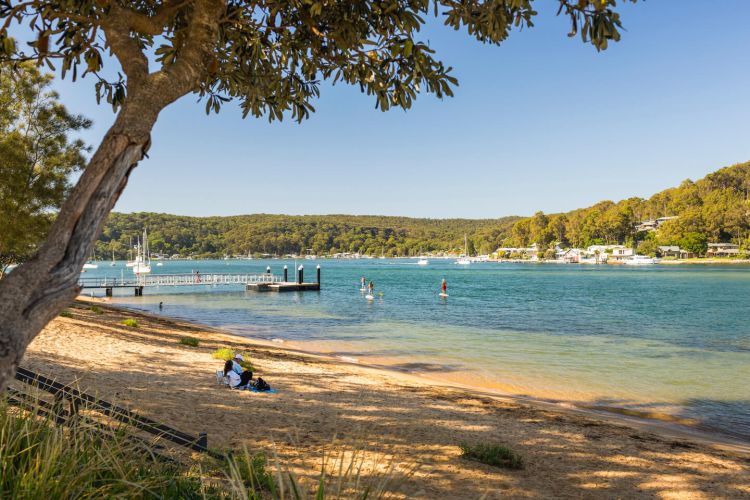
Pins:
x: 142, y: 263
x: 89, y: 265
x: 463, y: 259
x: 639, y: 260
x: 159, y: 264
x: 423, y: 262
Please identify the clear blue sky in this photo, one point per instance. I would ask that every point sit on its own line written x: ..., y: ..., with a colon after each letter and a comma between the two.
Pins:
x: 542, y: 122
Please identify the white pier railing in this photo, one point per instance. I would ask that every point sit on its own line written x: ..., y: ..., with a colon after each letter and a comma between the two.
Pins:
x: 194, y: 279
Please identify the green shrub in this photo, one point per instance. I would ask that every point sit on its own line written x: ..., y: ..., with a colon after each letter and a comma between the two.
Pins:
x: 41, y: 460
x: 66, y: 314
x: 225, y: 354
x: 130, y: 322
x: 190, y: 341
x: 96, y: 310
x: 492, y: 454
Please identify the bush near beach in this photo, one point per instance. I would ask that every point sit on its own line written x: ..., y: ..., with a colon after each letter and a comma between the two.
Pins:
x: 130, y: 322
x: 492, y: 454
x: 190, y: 341
x: 226, y: 353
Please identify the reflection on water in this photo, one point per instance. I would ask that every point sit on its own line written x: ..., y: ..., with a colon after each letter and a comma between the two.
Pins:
x: 673, y: 338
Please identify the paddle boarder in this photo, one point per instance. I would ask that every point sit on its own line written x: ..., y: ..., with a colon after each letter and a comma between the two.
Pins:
x: 444, y: 287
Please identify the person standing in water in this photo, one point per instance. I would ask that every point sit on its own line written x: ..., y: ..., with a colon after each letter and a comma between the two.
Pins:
x: 362, y: 282
x: 444, y: 287
x: 370, y: 287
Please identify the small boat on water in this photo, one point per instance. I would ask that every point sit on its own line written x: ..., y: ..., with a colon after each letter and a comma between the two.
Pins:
x: 639, y: 260
x: 90, y: 265
x: 142, y: 263
x: 423, y: 262
x: 464, y: 259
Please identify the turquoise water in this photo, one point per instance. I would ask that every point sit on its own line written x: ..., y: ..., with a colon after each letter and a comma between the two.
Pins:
x: 659, y: 339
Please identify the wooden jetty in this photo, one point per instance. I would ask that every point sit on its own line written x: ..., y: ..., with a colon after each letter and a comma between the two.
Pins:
x: 285, y: 285
x: 139, y: 282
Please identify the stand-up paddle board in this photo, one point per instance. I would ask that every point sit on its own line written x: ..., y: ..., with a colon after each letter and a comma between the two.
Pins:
x: 362, y: 289
x: 443, y: 295
x: 369, y: 297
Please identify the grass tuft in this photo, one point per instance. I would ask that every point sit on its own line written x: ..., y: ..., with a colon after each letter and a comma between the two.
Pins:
x: 41, y: 460
x: 130, y: 322
x: 225, y: 354
x: 492, y: 454
x: 96, y: 310
x: 66, y: 314
x: 190, y: 341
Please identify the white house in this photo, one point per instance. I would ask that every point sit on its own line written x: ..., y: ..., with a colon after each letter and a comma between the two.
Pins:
x: 722, y: 250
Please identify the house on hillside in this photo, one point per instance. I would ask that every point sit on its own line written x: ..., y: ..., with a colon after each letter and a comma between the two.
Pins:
x: 722, y: 250
x: 646, y: 225
x: 673, y: 251
x: 653, y: 224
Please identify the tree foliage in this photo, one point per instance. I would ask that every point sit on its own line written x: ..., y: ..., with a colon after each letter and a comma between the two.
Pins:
x: 37, y: 158
x: 271, y: 54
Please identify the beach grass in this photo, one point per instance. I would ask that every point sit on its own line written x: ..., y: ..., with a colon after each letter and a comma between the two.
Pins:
x: 132, y: 323
x: 66, y: 314
x: 492, y: 454
x: 190, y: 341
x: 96, y: 310
x: 41, y: 460
x: 226, y: 353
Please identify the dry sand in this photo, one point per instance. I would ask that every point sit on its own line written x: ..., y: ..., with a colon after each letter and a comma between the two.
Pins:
x: 324, y: 405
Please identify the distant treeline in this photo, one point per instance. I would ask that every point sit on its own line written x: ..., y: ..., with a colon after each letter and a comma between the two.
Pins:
x: 715, y: 208
x: 308, y: 234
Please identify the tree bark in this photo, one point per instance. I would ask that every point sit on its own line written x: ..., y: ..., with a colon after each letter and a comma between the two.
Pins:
x: 36, y: 291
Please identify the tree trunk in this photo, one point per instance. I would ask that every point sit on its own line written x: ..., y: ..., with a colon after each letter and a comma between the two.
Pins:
x: 39, y: 289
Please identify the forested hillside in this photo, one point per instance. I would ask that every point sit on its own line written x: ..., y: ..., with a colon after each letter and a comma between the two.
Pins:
x: 286, y: 234
x: 714, y: 208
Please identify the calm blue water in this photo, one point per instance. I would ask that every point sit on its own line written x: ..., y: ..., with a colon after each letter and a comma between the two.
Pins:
x: 666, y: 339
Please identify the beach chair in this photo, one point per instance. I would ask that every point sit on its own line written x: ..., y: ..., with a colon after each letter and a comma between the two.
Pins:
x: 220, y: 378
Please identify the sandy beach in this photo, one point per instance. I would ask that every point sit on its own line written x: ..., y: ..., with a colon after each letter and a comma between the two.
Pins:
x: 324, y: 405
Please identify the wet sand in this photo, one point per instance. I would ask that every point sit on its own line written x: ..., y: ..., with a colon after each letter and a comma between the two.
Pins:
x: 324, y: 405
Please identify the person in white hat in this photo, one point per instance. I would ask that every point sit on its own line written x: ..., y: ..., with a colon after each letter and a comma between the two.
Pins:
x: 236, y: 367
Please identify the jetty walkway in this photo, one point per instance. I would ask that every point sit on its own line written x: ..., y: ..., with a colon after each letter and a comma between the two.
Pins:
x: 260, y: 282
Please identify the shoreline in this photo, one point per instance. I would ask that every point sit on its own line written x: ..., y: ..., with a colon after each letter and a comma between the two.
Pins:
x: 663, y: 423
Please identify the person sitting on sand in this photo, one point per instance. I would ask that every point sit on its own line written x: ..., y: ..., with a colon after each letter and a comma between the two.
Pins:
x: 236, y: 366
x: 236, y: 380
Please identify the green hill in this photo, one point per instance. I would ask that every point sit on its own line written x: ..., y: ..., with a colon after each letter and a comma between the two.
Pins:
x: 287, y: 234
x: 712, y: 209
